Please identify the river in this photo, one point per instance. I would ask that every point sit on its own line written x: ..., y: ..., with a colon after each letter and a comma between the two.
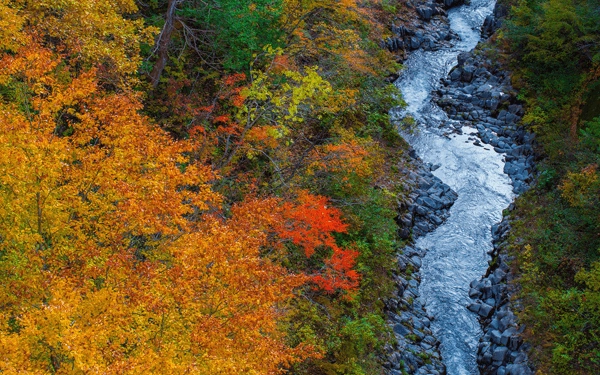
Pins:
x: 457, y: 250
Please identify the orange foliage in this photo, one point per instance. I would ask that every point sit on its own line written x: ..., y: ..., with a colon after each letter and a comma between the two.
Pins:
x: 110, y: 263
x: 324, y: 28
x: 264, y: 137
x: 311, y: 223
x: 350, y: 155
x: 114, y: 258
x: 281, y: 63
x: 100, y: 32
x: 339, y: 272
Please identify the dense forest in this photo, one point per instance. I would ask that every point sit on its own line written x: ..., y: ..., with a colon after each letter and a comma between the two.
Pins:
x: 553, y: 49
x: 195, y: 186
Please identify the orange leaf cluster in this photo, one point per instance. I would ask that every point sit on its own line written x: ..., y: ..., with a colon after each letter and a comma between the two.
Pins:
x: 311, y: 224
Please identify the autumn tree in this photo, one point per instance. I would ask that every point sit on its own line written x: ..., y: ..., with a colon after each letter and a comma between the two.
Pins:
x: 104, y: 34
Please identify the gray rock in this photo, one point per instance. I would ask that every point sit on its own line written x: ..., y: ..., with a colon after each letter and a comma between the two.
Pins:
x: 474, y: 307
x: 496, y: 336
x: 474, y: 293
x: 420, y: 210
x: 401, y: 330
x: 415, y: 43
x: 485, y: 310
x: 518, y: 369
x: 506, y: 322
x: 486, y: 358
x: 431, y: 202
x: 455, y: 74
x: 499, y: 353
x: 425, y: 12
x: 467, y: 73
x: 506, y: 335
x: 494, y: 324
x: 435, y: 220
x: 514, y: 342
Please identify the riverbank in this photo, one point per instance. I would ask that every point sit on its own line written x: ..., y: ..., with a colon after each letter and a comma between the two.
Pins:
x: 492, y: 101
x: 478, y: 93
x: 416, y: 349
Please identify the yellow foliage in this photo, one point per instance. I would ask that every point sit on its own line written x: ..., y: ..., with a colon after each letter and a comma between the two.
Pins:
x: 290, y: 100
x: 578, y: 187
x: 96, y: 32
x: 327, y: 29
x: 10, y: 27
x: 350, y: 154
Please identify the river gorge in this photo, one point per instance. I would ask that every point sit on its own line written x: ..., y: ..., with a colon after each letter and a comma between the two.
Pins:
x: 457, y: 101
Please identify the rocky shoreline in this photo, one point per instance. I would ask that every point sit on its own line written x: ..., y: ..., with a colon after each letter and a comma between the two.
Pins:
x: 492, y: 109
x: 416, y: 350
x: 478, y: 95
x: 501, y: 349
x: 429, y: 30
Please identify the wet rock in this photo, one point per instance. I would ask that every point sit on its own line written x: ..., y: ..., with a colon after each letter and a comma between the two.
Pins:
x: 425, y: 12
x: 452, y: 3
x: 518, y: 369
x: 474, y: 91
x: 496, y: 336
x: 401, y: 330
x: 474, y: 307
x: 455, y: 75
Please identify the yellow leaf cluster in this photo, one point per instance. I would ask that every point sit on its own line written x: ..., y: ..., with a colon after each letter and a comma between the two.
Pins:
x: 10, y: 27
x: 579, y: 187
x: 94, y: 31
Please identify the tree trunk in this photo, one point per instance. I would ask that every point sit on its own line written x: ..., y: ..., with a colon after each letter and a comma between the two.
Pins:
x: 162, y: 43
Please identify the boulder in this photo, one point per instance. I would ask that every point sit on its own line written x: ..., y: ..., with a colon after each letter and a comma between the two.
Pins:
x: 499, y: 353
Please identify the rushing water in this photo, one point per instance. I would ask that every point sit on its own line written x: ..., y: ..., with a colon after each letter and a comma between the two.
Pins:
x: 457, y: 249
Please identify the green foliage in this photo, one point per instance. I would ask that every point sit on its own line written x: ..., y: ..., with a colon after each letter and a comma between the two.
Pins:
x: 575, y: 313
x: 561, y: 306
x: 556, y: 44
x: 239, y: 29
x: 546, y: 178
x: 590, y: 134
x: 363, y: 332
x: 554, y: 47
